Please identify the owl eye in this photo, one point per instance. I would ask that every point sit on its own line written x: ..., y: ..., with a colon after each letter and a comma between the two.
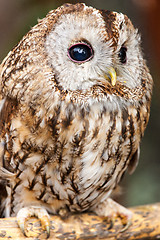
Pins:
x: 80, y: 52
x: 123, y: 55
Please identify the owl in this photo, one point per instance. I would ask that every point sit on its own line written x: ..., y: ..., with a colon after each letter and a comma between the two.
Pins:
x: 75, y: 100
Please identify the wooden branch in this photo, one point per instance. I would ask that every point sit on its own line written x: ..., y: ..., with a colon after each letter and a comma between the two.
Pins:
x: 145, y: 226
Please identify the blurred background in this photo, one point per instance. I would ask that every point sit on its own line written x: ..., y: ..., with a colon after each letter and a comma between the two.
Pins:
x: 18, y: 16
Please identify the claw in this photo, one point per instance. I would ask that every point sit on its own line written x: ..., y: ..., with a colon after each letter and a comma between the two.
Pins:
x: 111, y: 223
x: 125, y: 216
x: 126, y: 220
x: 48, y: 231
x: 27, y: 212
x: 111, y: 210
x: 21, y: 226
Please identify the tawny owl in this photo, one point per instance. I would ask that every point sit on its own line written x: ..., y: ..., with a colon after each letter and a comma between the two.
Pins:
x: 75, y: 101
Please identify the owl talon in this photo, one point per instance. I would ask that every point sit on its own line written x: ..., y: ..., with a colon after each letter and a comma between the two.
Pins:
x: 112, y: 210
x: 125, y: 216
x: 27, y: 212
x: 48, y: 231
x: 126, y: 226
x: 111, y: 223
x: 21, y: 226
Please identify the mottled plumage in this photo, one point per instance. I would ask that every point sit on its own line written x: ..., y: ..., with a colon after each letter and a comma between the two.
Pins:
x: 69, y: 129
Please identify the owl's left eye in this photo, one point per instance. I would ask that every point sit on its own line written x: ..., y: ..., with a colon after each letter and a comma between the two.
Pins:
x: 123, y: 54
x: 80, y: 52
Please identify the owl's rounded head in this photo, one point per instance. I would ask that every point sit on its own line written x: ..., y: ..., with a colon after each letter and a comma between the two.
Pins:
x: 86, y: 46
x: 76, y: 48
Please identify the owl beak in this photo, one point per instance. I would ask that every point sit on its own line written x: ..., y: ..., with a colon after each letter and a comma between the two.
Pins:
x: 111, y: 76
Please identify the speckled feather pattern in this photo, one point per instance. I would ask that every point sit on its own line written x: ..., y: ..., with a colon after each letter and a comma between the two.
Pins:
x: 66, y: 134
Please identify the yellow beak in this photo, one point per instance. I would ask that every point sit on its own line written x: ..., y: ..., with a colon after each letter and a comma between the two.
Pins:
x: 111, y: 75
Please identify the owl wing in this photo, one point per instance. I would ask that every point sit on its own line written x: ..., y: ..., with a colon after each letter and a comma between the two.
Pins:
x: 134, y: 161
x: 3, y: 192
x: 6, y: 111
x: 3, y: 197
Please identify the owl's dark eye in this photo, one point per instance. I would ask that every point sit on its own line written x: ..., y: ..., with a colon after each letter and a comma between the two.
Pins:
x: 80, y: 52
x: 123, y: 55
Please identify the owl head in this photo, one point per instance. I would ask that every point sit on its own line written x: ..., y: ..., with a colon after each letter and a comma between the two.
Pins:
x: 87, y: 46
x: 74, y: 48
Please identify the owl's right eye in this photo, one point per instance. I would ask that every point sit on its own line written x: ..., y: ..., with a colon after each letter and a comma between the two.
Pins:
x: 80, y: 52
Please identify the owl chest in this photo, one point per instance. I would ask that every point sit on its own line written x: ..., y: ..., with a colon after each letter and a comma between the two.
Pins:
x: 83, y: 159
